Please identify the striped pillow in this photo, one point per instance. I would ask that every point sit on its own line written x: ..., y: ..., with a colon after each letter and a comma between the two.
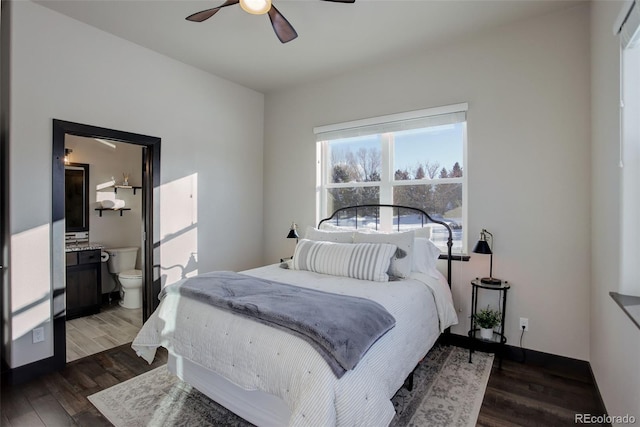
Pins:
x: 402, y: 260
x: 365, y: 261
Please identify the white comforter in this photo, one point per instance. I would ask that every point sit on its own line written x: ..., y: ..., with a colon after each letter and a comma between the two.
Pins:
x: 257, y: 357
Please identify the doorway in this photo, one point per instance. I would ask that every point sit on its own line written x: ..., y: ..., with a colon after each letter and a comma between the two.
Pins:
x: 150, y: 147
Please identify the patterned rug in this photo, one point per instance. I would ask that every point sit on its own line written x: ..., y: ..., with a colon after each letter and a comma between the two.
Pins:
x: 447, y: 391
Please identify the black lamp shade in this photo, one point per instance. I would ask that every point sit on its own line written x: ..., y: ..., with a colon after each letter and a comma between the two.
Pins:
x: 482, y: 247
x: 293, y: 234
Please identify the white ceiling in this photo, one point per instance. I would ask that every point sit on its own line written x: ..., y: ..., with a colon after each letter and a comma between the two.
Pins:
x: 332, y: 37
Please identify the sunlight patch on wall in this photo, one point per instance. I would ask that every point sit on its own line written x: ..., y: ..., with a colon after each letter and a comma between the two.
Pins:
x: 30, y: 278
x: 178, y: 229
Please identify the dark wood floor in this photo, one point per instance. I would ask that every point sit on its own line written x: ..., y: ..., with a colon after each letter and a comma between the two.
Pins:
x: 535, y: 395
x: 60, y: 398
x: 519, y: 394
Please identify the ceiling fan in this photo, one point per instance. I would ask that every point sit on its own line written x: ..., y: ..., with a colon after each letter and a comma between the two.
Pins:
x: 283, y: 29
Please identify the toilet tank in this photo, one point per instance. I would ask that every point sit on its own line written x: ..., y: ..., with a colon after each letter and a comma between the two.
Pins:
x: 121, y: 259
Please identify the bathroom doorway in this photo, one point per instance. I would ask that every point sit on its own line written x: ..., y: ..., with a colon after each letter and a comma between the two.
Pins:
x: 129, y: 179
x: 103, y: 244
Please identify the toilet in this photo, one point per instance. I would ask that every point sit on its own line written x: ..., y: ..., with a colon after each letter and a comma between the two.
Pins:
x: 122, y: 263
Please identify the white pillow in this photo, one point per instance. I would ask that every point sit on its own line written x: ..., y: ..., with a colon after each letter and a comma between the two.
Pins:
x: 328, y: 236
x: 329, y: 226
x: 423, y: 231
x: 425, y: 255
x: 402, y: 261
x: 365, y: 261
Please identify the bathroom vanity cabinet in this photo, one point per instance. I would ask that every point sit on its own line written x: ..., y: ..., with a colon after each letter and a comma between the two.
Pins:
x: 84, y: 285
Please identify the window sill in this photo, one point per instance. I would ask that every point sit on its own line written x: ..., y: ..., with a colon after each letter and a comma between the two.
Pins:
x: 628, y: 304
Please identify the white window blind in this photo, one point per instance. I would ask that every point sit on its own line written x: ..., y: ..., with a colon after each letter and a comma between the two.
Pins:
x: 430, y: 117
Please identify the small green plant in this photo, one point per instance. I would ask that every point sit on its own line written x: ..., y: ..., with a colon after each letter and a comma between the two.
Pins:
x: 488, y: 318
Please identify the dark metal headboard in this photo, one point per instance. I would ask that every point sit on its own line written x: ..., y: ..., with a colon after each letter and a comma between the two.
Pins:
x: 425, y: 217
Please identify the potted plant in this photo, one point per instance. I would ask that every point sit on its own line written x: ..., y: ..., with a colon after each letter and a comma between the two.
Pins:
x: 487, y: 319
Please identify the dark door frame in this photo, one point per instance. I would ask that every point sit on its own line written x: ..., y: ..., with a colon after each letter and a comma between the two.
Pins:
x: 150, y: 185
x: 5, y: 89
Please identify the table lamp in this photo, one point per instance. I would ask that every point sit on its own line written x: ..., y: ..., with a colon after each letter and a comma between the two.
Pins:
x: 293, y: 234
x: 483, y: 247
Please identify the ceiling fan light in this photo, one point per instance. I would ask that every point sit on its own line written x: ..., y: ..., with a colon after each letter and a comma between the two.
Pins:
x: 256, y: 7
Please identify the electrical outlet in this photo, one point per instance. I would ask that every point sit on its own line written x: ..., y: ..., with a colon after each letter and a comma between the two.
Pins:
x: 38, y: 335
x: 524, y: 323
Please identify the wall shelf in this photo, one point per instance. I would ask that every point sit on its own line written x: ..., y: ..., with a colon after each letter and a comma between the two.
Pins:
x: 114, y: 210
x: 128, y: 187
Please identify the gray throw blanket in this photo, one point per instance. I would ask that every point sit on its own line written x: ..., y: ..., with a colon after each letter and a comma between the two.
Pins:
x: 341, y: 328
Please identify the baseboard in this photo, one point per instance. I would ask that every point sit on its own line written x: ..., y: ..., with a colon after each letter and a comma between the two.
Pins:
x: 574, y: 368
x: 598, y: 392
x: 25, y: 373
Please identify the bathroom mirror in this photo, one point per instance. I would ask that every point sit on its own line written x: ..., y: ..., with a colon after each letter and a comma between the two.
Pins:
x: 76, y: 189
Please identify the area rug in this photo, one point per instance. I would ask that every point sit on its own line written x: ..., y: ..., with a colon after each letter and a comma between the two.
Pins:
x: 447, y: 391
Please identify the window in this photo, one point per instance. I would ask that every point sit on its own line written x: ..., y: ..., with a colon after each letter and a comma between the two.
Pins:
x: 414, y: 159
x: 627, y: 26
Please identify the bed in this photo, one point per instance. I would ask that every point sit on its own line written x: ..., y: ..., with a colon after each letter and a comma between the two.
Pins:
x: 274, y: 378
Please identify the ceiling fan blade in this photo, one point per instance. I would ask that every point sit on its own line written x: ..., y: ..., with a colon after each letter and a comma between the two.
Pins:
x: 283, y: 29
x: 342, y: 1
x: 206, y: 14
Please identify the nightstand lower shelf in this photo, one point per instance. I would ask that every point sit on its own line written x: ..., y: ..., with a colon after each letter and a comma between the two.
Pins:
x: 497, y: 344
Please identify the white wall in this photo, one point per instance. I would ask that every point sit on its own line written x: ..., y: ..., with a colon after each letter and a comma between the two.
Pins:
x: 527, y: 86
x: 615, y: 340
x: 210, y: 130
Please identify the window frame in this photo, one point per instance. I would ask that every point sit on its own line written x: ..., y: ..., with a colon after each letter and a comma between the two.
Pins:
x: 388, y: 181
x: 627, y: 27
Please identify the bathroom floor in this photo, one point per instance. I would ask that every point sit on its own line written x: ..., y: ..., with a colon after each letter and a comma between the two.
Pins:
x: 112, y: 327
